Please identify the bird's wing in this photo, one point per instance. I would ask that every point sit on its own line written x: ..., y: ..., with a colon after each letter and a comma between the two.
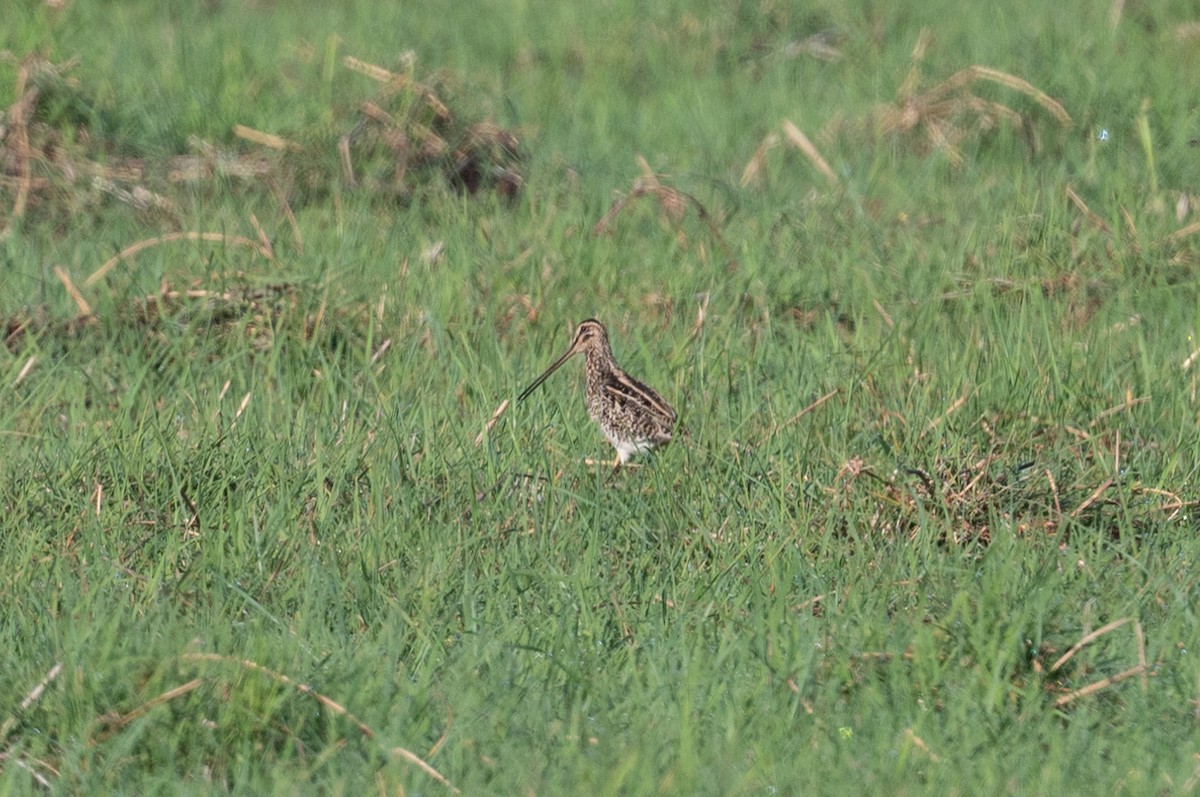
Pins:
x: 626, y: 390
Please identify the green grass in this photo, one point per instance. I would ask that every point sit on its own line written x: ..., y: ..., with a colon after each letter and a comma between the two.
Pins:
x: 204, y: 507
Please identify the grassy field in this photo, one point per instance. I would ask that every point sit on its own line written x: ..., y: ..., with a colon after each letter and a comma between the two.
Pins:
x: 928, y: 527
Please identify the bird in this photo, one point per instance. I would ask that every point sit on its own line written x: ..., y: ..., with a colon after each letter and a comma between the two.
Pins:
x: 633, y: 416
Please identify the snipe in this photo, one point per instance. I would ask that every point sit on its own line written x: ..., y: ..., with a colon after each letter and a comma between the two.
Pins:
x: 633, y: 417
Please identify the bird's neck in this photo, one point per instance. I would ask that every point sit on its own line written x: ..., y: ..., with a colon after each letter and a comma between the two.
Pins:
x: 599, y: 363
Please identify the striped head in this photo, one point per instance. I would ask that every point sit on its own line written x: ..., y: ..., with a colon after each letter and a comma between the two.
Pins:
x: 591, y: 339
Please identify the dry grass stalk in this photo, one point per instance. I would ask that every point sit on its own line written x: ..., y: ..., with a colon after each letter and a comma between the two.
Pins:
x: 1053, y: 106
x: 370, y: 70
x: 243, y: 404
x: 297, y: 237
x: 1054, y: 493
x: 114, y: 723
x: 377, y: 114
x: 809, y: 408
x: 213, y: 237
x: 139, y: 197
x: 1183, y: 205
x: 813, y: 601
x: 25, y: 370
x: 1082, y: 207
x: 969, y: 493
x: 441, y: 740
x: 796, y: 137
x: 701, y: 314
x: 7, y: 726
x: 85, y: 309
x: 1141, y: 645
x: 954, y: 407
x: 210, y: 162
x: 1086, y: 640
x: 1183, y: 232
x: 491, y: 422
x: 405, y: 125
x: 752, y: 174
x: 1187, y: 31
x: 626, y: 630
x: 268, y: 140
x: 18, y: 116
x: 244, y: 310
x: 263, y: 238
x: 343, y: 147
x: 15, y: 143
x: 33, y: 773
x: 17, y: 155
x: 1091, y: 499
x: 1173, y: 506
x: 884, y: 314
x: 1103, y: 683
x: 168, y: 294
x: 379, y: 352
x: 938, y: 114
x: 396, y: 82
x: 939, y: 119
x: 952, y: 95
x: 1141, y: 669
x: 35, y: 693
x: 819, y: 46
x: 1190, y: 359
x: 919, y: 743
x: 671, y: 201
x: 1130, y: 225
x: 328, y: 703
x: 1114, y: 14
x: 32, y: 697
x: 41, y: 167
x: 1129, y: 403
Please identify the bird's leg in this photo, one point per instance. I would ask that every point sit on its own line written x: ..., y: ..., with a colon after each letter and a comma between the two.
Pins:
x: 622, y: 461
x: 616, y: 463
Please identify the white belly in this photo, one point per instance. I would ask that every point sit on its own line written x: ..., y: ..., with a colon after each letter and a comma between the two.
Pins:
x: 627, y: 448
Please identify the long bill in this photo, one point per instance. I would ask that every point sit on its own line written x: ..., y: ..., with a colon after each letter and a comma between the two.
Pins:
x: 557, y: 364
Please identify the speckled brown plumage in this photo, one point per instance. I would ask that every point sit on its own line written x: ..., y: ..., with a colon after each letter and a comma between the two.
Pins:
x: 632, y: 415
